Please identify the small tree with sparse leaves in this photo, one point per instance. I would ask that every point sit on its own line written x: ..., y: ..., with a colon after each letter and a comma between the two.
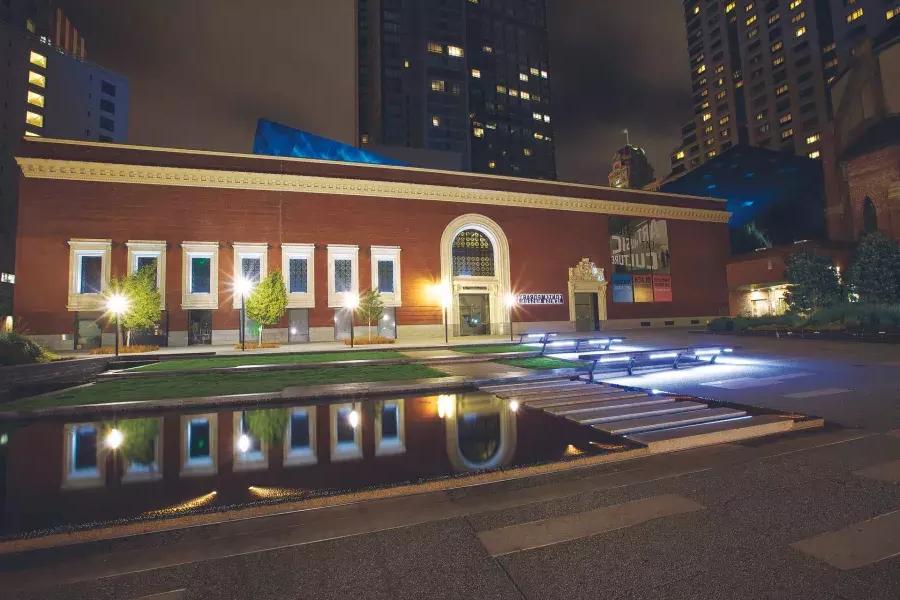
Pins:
x: 267, y: 302
x: 814, y: 282
x: 144, y: 301
x: 371, y: 308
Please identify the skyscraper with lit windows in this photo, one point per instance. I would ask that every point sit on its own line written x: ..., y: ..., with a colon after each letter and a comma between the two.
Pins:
x: 466, y: 77
x: 48, y: 90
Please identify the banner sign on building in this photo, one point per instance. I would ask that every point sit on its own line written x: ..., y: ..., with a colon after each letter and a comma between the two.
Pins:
x: 622, y: 288
x: 662, y: 288
x: 639, y: 249
x: 539, y: 299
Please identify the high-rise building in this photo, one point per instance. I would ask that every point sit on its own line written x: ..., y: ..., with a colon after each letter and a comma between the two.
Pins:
x: 48, y: 90
x: 758, y: 73
x: 854, y: 20
x: 467, y: 77
x: 630, y: 168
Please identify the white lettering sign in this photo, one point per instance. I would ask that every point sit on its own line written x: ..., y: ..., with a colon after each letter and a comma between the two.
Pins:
x: 539, y: 299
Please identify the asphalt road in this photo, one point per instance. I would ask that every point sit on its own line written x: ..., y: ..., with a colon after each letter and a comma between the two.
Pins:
x: 784, y: 517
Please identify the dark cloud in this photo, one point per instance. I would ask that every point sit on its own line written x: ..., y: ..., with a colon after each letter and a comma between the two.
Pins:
x: 617, y: 65
x: 203, y: 71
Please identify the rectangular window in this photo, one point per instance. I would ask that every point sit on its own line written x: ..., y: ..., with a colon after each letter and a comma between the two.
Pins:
x: 800, y: 31
x: 38, y: 60
x: 145, y: 461
x: 300, y: 441
x: 199, y: 441
x: 476, y: 73
x: 251, y: 269
x: 90, y: 274
x: 389, y: 427
x: 345, y: 428
x: 249, y: 451
x: 201, y: 274
x: 856, y: 14
x: 84, y: 451
x: 343, y: 275
x: 108, y: 106
x: 438, y: 85
x: 36, y: 79
x: 108, y: 88
x: 297, y: 276
x: 386, y: 276
x: 107, y: 124
x: 35, y: 99
x: 455, y: 51
x: 34, y: 119
x: 435, y: 48
x: 145, y: 262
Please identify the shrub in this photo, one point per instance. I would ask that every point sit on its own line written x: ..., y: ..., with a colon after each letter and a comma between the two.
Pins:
x: 859, y: 317
x: 16, y: 349
x: 132, y: 349
x: 370, y: 341
x: 875, y: 272
x: 814, y: 282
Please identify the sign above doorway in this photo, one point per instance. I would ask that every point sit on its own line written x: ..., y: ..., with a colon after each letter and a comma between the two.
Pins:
x: 532, y: 299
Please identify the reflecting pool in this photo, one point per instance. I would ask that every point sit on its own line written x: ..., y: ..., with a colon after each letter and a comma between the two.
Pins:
x: 60, y: 474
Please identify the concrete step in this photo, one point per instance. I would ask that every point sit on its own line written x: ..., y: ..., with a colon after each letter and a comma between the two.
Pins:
x: 530, y: 385
x: 668, y: 421
x: 570, y: 400
x: 573, y: 410
x: 627, y: 413
x: 716, y: 432
x: 576, y: 390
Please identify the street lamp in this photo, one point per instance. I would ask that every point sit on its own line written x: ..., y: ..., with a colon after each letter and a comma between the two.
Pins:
x: 117, y: 304
x: 243, y: 286
x: 511, y: 302
x: 351, y: 302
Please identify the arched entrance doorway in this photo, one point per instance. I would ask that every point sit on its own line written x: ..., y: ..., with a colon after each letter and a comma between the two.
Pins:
x: 475, y: 270
x: 870, y: 217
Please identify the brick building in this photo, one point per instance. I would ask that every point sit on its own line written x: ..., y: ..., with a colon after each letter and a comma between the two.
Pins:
x: 90, y: 212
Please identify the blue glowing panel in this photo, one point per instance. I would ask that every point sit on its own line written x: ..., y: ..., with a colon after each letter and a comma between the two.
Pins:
x: 274, y: 139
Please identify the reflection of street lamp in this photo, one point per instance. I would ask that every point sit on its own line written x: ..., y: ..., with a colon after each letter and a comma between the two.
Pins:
x: 114, y: 438
x: 511, y: 302
x: 117, y: 304
x: 243, y: 286
x: 243, y: 443
x: 351, y: 302
x: 442, y: 291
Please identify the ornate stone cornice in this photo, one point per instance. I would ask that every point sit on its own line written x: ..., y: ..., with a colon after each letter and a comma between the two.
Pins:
x: 41, y: 168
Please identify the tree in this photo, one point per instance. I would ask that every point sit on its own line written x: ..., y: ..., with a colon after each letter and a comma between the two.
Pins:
x: 268, y: 302
x: 268, y: 425
x: 875, y: 272
x: 371, y: 308
x: 138, y: 439
x: 813, y: 282
x: 144, y: 301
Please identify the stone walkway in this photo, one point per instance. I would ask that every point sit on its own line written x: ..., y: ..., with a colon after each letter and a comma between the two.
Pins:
x: 484, y: 370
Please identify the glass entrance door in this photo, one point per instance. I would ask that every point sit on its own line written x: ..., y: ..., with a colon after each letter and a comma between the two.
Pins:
x: 474, y: 314
x: 586, y: 312
x: 298, y: 325
x: 199, y: 327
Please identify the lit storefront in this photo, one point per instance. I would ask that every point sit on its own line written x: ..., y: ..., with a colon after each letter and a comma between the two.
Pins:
x: 490, y: 253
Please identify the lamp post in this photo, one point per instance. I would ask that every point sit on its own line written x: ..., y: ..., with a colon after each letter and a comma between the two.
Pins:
x: 351, y: 302
x: 243, y: 287
x: 511, y: 302
x: 442, y: 291
x: 117, y: 305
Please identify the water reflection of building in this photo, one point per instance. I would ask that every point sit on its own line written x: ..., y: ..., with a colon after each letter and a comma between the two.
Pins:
x: 63, y: 473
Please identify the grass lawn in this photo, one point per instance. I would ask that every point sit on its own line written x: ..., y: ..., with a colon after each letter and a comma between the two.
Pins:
x: 495, y: 348
x: 542, y: 362
x: 184, y: 364
x: 206, y: 384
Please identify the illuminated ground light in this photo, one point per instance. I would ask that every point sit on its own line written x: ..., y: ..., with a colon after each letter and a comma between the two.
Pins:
x: 273, y: 493
x: 191, y: 504
x: 573, y: 451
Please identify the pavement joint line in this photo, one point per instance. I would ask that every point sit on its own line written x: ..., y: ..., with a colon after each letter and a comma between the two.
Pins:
x: 818, y: 446
x: 817, y: 393
x: 170, y: 595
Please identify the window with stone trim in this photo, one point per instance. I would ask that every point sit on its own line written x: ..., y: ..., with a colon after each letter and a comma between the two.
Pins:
x: 473, y: 255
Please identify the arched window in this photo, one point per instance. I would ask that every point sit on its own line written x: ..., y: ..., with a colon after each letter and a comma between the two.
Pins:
x: 479, y: 436
x: 473, y: 254
x: 870, y: 217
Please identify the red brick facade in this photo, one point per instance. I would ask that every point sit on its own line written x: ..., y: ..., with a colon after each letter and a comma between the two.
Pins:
x: 543, y: 243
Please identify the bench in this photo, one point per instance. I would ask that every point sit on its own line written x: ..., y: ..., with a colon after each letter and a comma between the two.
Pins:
x: 646, y: 358
x: 544, y: 339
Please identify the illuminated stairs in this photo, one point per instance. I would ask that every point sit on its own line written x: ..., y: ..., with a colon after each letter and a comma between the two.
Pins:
x: 661, y: 422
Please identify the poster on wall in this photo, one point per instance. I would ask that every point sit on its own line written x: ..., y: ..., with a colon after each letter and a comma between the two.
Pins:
x: 639, y: 249
x: 622, y: 288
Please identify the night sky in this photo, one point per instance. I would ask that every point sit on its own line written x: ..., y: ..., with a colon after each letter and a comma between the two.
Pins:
x: 202, y: 71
